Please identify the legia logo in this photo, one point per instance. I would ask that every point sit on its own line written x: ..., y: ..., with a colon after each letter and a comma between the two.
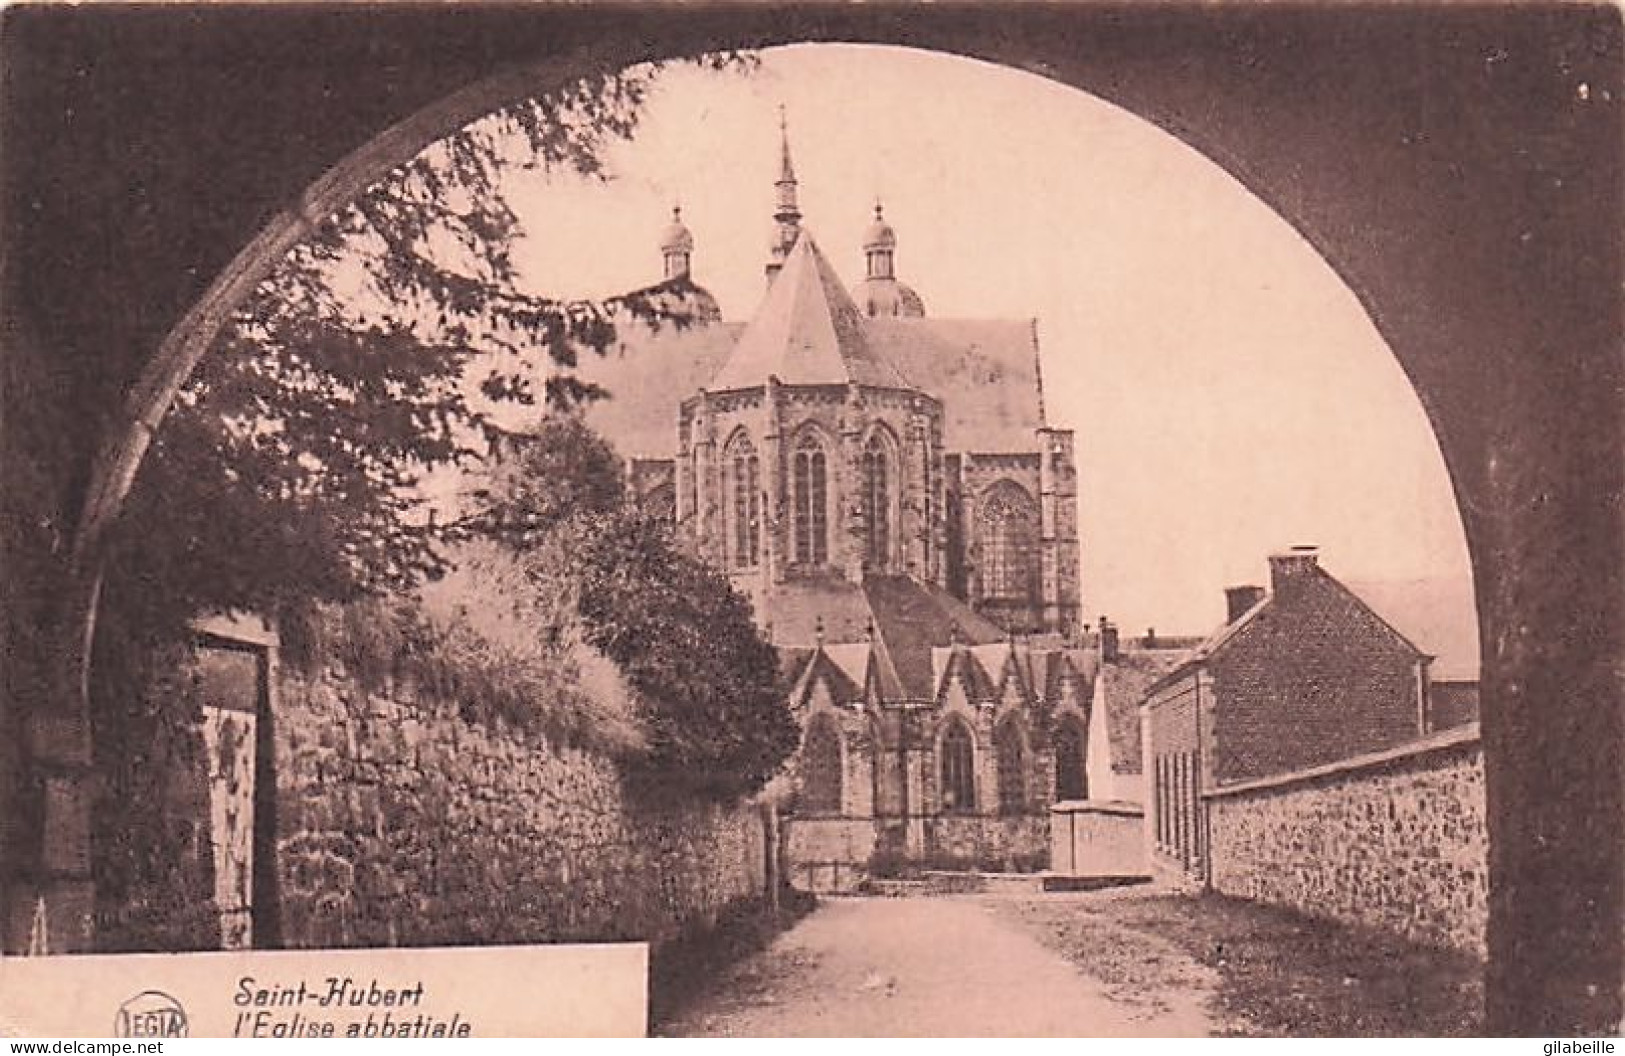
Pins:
x: 150, y: 1014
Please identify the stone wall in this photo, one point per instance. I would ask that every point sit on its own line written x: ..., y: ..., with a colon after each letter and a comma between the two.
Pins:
x: 1095, y: 840
x: 1394, y: 839
x: 830, y: 855
x: 834, y: 854
x: 399, y: 823
x: 1017, y: 844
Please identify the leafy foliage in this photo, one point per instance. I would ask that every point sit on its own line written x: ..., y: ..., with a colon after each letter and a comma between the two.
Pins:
x: 482, y: 642
x: 289, y: 474
x: 557, y: 470
x: 394, y: 343
x: 715, y: 716
x: 719, y: 721
x: 151, y: 854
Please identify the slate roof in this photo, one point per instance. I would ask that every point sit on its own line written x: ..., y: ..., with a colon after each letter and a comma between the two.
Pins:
x: 1436, y: 617
x: 912, y: 617
x: 806, y: 332
x: 1124, y: 682
x: 906, y: 617
x: 984, y: 371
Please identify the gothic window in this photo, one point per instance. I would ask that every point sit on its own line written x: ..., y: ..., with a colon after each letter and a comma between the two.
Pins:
x: 877, y: 502
x: 821, y: 768
x: 958, y: 762
x: 744, y: 489
x: 1011, y: 755
x: 1069, y: 768
x: 1009, y: 544
x: 811, y: 501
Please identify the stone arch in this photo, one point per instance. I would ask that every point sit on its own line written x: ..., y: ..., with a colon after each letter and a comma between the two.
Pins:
x: 1551, y: 412
x: 812, y: 497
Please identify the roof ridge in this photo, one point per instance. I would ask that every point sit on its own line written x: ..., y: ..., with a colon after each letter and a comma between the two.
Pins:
x: 807, y: 330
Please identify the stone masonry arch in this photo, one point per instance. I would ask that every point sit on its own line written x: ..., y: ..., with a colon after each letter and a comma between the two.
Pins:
x: 1479, y: 228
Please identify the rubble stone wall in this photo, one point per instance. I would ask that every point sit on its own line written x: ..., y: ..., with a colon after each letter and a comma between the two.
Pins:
x: 1394, y: 839
x: 400, y: 823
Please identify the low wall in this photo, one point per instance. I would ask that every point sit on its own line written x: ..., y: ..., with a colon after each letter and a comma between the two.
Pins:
x: 834, y: 854
x: 1014, y: 844
x: 398, y: 823
x: 829, y: 855
x: 1095, y: 840
x: 1395, y: 839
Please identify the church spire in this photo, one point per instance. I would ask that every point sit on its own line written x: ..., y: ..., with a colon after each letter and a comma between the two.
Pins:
x: 786, y: 210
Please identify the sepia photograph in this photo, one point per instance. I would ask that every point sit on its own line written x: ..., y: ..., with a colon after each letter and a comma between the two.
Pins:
x: 812, y: 520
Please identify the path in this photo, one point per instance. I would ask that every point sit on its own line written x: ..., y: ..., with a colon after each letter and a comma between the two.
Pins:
x: 921, y: 967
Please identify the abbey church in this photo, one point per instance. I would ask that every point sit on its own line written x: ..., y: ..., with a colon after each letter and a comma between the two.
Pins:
x: 885, y: 487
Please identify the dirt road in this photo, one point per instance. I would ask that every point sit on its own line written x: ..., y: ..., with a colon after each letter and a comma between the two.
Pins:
x: 924, y: 967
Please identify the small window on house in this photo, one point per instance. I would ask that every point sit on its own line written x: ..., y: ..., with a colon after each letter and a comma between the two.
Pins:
x: 958, y: 761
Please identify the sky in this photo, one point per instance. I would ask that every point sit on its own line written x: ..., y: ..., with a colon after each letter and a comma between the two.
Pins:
x: 1229, y: 394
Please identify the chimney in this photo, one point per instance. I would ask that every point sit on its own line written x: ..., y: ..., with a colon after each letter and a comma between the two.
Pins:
x: 1150, y: 637
x: 1239, y: 600
x: 1108, y: 641
x: 1292, y: 566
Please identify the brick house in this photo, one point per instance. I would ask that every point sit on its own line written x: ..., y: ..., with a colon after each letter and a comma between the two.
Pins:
x: 1304, y: 674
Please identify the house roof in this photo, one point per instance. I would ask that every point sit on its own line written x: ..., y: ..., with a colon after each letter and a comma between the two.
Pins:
x: 1124, y: 683
x: 806, y: 332
x: 1439, y: 615
x: 1436, y: 617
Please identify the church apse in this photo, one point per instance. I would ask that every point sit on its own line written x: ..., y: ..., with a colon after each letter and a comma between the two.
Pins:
x: 886, y: 489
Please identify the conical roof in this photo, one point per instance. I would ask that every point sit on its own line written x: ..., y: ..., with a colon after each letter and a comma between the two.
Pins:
x: 807, y: 332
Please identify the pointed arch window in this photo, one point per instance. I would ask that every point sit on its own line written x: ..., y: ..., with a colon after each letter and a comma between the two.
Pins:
x: 1069, y: 767
x: 1009, y: 564
x: 810, y: 479
x: 743, y: 502
x: 821, y: 768
x: 878, y: 479
x: 958, y: 770
x: 1010, y: 753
